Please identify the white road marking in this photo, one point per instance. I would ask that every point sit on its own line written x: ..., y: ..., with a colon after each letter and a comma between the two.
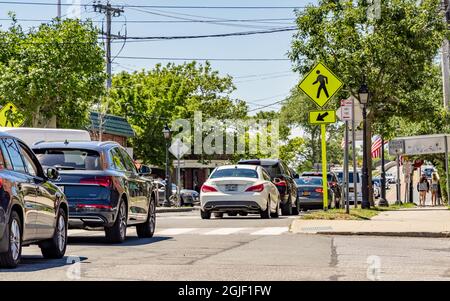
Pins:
x: 175, y: 231
x: 271, y: 231
x: 224, y: 231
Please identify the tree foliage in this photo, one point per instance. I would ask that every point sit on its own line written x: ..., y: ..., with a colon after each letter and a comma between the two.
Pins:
x: 54, y: 70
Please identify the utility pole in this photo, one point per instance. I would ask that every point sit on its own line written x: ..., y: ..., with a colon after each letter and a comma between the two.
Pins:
x: 59, y: 10
x: 445, y: 57
x: 109, y: 11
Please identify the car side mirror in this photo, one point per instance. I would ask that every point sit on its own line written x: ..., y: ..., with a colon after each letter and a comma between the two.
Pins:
x: 144, y: 170
x: 52, y: 173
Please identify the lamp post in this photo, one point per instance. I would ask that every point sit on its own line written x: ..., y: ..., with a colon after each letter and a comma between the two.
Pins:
x: 167, y: 136
x: 383, y: 202
x: 364, y: 99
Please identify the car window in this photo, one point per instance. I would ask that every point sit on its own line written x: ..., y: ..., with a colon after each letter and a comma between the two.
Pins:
x: 273, y: 170
x: 6, y: 162
x: 129, y: 164
x: 68, y: 158
x: 31, y: 166
x: 309, y: 181
x: 265, y: 175
x: 117, y: 161
x: 14, y: 155
x: 350, y: 177
x: 235, y: 172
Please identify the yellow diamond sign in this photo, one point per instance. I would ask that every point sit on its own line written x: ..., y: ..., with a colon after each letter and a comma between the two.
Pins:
x: 320, y: 84
x: 10, y: 116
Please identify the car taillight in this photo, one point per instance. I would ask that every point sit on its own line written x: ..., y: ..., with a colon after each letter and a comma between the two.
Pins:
x: 207, y: 188
x: 102, y: 181
x: 319, y: 190
x: 256, y: 188
x: 281, y: 183
x: 93, y: 206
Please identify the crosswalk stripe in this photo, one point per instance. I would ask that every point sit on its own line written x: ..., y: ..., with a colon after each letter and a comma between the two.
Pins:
x: 271, y: 231
x: 224, y: 231
x: 175, y: 231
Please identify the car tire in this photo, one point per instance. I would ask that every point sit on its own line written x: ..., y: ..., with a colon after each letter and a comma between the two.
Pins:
x: 265, y: 214
x: 55, y: 247
x: 232, y: 213
x: 276, y: 214
x: 11, y: 258
x: 118, y: 232
x: 286, y: 209
x: 296, y: 209
x: 205, y: 214
x: 218, y: 214
x: 147, y: 229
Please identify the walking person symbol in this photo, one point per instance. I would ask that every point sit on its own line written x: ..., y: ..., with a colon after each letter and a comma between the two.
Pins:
x: 9, y: 116
x: 323, y: 81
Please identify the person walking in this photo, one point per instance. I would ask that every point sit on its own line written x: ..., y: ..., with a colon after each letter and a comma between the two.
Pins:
x: 423, y: 187
x: 434, y: 189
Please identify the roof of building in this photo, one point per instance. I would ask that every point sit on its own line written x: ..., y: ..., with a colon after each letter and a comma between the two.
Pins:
x: 112, y: 124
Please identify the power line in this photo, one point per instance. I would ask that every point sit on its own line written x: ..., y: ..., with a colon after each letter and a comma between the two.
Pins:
x: 220, y: 35
x: 202, y: 59
x: 265, y: 106
x: 158, y: 6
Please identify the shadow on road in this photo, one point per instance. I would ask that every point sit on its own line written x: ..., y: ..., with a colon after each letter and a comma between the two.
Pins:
x: 101, y: 241
x: 33, y: 263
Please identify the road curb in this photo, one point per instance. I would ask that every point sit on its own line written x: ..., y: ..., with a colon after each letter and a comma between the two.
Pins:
x: 182, y: 209
x: 391, y: 234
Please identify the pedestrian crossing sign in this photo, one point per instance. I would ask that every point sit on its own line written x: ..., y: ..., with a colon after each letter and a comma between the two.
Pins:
x: 10, y: 116
x: 320, y: 84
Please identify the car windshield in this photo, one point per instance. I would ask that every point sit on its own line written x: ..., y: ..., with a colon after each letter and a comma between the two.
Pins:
x: 69, y: 158
x: 318, y: 174
x: 309, y: 181
x: 235, y: 172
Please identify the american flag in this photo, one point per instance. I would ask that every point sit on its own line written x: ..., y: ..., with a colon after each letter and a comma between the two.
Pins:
x: 376, y: 146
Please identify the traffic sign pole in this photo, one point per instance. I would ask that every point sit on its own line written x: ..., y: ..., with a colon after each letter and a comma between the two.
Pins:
x: 324, y: 167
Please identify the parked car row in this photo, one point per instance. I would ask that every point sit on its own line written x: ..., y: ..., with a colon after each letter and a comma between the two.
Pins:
x: 56, y: 185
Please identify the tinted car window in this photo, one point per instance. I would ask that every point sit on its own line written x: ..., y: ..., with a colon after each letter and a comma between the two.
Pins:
x: 308, y: 181
x: 273, y: 170
x: 15, y: 156
x: 6, y: 160
x: 31, y: 167
x: 129, y: 164
x: 66, y: 158
x: 235, y: 172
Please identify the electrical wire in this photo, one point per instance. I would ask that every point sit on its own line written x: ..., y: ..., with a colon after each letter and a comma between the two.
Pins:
x: 202, y: 59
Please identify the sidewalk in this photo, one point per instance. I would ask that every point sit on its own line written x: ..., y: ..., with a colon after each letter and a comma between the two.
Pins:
x: 176, y: 209
x: 414, y: 222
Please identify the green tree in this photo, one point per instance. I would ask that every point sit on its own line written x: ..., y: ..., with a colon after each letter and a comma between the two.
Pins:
x: 53, y: 71
x: 150, y: 99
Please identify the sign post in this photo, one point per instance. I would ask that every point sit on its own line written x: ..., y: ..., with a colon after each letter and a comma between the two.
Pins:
x: 320, y: 85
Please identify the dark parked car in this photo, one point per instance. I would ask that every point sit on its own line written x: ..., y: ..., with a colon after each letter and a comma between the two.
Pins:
x: 333, y: 183
x: 187, y: 196
x: 32, y: 209
x: 283, y: 178
x: 310, y: 193
x: 103, y: 187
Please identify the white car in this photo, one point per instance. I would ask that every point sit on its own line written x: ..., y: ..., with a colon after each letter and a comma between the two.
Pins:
x: 239, y: 189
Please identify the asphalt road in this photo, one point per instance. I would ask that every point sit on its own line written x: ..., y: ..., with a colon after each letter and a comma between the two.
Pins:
x: 243, y: 248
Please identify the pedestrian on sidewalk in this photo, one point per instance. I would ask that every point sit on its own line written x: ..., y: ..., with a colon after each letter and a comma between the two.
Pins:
x: 423, y: 187
x: 435, y: 189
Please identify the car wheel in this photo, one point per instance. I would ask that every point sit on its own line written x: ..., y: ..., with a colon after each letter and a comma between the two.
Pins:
x: 56, y: 246
x: 265, y: 214
x: 232, y: 213
x: 296, y: 209
x: 276, y: 214
x: 11, y: 258
x: 147, y: 229
x: 218, y: 214
x: 205, y: 214
x: 118, y: 232
x: 286, y: 209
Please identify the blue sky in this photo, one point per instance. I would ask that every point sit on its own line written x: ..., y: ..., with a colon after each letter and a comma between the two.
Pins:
x: 260, y: 83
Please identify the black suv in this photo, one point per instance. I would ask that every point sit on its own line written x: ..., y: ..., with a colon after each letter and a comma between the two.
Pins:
x: 283, y: 178
x: 103, y: 187
x: 32, y: 209
x: 333, y: 181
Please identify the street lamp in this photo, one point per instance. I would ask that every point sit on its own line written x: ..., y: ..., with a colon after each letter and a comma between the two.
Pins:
x: 364, y: 95
x: 167, y: 136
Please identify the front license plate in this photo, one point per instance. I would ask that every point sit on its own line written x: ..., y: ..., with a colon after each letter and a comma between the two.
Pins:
x: 231, y: 187
x: 306, y: 193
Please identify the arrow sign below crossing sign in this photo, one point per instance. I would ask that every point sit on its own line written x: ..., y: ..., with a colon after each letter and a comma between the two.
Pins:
x: 322, y: 117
